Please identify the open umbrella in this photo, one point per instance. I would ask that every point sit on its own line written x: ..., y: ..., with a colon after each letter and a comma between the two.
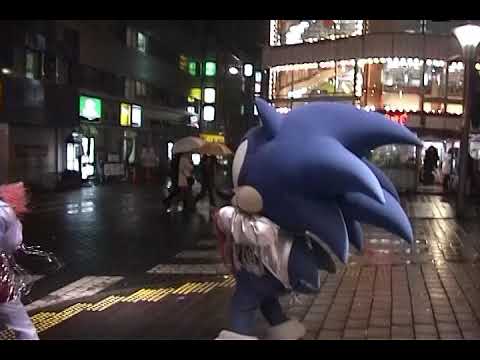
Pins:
x: 216, y: 149
x: 188, y: 144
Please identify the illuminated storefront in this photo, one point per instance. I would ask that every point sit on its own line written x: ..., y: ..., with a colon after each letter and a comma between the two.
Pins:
x: 409, y: 70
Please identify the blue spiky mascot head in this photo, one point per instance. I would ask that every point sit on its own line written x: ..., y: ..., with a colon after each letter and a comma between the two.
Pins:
x: 306, y: 172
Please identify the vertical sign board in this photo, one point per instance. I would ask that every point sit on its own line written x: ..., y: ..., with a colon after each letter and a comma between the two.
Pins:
x: 125, y: 114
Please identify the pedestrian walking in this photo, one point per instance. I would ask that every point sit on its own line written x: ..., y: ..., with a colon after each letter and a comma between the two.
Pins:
x: 182, y: 180
x: 207, y: 167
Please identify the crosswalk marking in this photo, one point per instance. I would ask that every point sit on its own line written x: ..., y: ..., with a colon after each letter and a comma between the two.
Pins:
x: 190, y: 269
x: 84, y: 287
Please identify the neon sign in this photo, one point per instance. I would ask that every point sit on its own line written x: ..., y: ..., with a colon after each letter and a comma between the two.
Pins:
x: 398, y: 117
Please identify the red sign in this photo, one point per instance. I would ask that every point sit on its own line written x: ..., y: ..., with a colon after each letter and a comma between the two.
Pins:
x: 398, y: 117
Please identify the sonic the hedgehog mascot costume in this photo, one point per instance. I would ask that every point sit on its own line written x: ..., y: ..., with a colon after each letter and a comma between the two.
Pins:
x: 302, y: 187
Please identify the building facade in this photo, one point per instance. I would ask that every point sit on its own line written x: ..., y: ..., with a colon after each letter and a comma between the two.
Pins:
x: 86, y: 97
x: 410, y: 70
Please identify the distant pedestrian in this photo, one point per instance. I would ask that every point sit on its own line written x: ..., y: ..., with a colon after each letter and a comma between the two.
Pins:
x: 207, y: 167
x: 182, y: 180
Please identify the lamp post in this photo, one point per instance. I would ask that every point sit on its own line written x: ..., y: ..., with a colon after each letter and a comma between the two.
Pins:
x: 469, y: 37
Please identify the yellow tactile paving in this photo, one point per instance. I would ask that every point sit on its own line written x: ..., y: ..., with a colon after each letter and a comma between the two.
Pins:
x: 45, y: 320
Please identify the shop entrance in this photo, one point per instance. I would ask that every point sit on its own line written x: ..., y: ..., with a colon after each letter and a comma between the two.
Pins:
x: 88, y: 158
x: 439, y: 162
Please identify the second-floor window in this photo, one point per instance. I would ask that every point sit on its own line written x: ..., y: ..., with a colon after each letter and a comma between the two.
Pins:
x: 141, y: 42
x: 33, y: 64
x: 135, y: 89
x: 137, y: 40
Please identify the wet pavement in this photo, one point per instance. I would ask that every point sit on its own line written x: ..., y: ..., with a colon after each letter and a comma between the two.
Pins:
x: 134, y: 272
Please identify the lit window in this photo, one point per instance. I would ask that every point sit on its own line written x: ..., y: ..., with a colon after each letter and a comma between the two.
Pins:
x: 136, y: 116
x: 196, y: 93
x: 258, y: 87
x: 169, y: 150
x: 141, y: 42
x: 248, y: 70
x: 72, y: 163
x: 192, y: 68
x: 125, y: 115
x: 32, y: 64
x: 209, y: 95
x: 208, y: 113
x: 255, y: 111
x: 210, y: 68
x: 455, y: 81
x: 258, y: 76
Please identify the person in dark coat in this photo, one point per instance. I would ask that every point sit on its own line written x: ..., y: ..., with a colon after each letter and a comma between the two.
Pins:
x: 207, y: 167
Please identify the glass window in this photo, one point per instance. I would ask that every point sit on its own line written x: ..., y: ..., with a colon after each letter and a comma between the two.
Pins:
x: 314, y: 82
x: 140, y: 88
x: 209, y: 95
x: 141, y: 42
x: 345, y: 77
x: 290, y: 32
x: 258, y: 88
x: 33, y: 64
x: 169, y: 150
x: 258, y: 76
x: 192, y: 68
x: 129, y: 88
x: 248, y: 70
x: 434, y: 81
x: 136, y: 116
x: 393, y: 85
x: 310, y: 80
x: 455, y: 81
x: 62, y: 71
x: 210, y: 68
x: 72, y: 163
x: 208, y: 113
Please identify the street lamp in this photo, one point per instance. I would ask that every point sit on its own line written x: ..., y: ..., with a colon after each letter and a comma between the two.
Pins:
x: 469, y: 37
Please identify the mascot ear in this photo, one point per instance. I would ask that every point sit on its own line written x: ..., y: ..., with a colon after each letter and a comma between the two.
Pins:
x: 271, y: 120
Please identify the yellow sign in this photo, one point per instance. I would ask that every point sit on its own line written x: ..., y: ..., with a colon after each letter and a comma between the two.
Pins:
x: 196, y: 93
x: 214, y: 138
x: 125, y: 114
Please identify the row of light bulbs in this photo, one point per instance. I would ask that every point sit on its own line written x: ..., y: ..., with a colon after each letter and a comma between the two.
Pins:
x: 375, y: 60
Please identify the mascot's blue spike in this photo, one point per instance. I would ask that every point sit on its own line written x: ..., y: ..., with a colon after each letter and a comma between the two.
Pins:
x: 271, y: 120
x: 358, y: 130
x: 385, y: 182
x: 389, y: 216
x: 355, y: 233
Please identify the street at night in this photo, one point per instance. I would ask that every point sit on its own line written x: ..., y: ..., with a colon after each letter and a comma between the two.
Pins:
x: 239, y: 180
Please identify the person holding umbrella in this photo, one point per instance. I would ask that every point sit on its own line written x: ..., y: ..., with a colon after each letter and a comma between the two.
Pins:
x: 182, y: 171
x: 210, y: 151
x: 207, y: 167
